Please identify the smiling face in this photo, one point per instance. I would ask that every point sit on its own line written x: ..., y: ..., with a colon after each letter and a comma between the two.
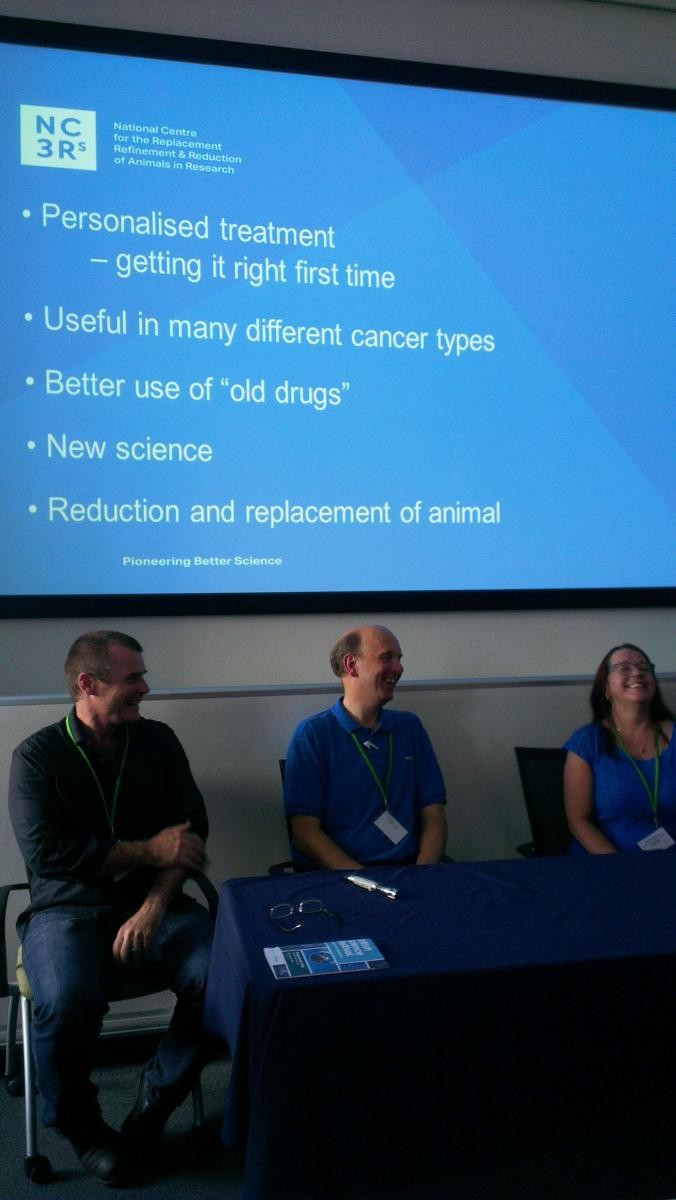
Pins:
x: 106, y: 703
x: 630, y: 677
x: 371, y: 675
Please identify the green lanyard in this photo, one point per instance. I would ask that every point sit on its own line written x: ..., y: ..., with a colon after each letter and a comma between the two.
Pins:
x: 384, y: 791
x: 110, y: 813
x: 653, y: 793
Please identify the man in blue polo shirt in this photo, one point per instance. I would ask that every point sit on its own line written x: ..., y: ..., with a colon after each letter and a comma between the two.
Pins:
x: 362, y: 786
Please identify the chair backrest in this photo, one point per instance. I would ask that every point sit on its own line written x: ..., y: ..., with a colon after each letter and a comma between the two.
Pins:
x: 541, y: 772
x: 288, y: 866
x: 6, y: 969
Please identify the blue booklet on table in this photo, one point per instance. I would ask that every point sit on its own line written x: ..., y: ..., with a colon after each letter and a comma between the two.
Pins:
x: 324, y: 958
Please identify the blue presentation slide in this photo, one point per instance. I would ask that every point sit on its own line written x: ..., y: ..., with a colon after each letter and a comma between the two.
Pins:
x: 269, y: 332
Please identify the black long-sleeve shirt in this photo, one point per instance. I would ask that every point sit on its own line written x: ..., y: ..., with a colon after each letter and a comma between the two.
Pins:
x: 62, y: 817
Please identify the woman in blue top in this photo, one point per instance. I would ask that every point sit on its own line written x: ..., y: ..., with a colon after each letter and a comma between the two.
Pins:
x: 620, y: 772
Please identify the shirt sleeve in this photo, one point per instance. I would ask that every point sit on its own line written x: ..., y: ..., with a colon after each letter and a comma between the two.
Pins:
x: 431, y: 787
x: 305, y: 775
x: 186, y: 798
x: 50, y: 846
x: 585, y: 743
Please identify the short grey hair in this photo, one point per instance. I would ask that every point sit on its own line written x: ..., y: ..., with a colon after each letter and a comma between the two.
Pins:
x: 348, y: 643
x: 91, y: 653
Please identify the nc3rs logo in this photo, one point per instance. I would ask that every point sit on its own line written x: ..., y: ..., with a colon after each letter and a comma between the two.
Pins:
x: 58, y: 137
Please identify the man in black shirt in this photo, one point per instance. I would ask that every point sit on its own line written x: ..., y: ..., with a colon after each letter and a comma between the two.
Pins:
x: 109, y: 821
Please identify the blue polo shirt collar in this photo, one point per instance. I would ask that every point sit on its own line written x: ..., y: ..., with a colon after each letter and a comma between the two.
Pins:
x: 350, y: 725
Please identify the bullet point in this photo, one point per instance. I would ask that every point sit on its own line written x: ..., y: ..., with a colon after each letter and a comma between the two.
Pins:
x: 26, y: 212
x: 28, y: 316
x: 32, y: 508
x: 31, y: 445
x: 29, y: 380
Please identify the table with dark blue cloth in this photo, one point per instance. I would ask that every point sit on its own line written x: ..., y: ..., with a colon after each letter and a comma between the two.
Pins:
x: 519, y: 996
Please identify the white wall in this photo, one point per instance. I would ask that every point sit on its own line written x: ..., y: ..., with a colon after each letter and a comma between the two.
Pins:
x: 234, y: 742
x: 622, y: 41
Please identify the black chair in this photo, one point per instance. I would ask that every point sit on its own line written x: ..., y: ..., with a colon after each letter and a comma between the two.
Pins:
x: 288, y: 866
x: 541, y: 772
x: 15, y: 986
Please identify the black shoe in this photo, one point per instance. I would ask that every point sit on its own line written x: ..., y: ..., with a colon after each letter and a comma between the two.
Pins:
x: 143, y: 1127
x: 100, y: 1153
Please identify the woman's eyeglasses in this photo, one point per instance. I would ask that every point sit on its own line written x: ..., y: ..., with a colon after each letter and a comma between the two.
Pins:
x: 628, y: 668
x: 282, y: 914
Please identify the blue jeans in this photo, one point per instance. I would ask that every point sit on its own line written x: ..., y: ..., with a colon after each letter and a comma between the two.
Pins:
x: 67, y: 954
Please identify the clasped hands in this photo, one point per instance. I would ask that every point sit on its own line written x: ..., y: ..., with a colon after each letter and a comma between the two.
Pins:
x: 176, y: 848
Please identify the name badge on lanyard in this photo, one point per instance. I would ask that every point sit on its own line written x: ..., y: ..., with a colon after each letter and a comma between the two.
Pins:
x: 392, y: 828
x: 659, y: 839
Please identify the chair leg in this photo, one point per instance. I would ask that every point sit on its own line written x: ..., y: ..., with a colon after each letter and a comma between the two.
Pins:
x: 35, y: 1165
x: 197, y: 1110
x: 13, y: 1078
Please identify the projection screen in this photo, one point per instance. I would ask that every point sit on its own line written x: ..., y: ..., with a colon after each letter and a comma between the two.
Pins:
x: 293, y: 332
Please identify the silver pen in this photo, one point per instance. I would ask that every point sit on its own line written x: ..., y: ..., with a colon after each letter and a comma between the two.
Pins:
x: 370, y: 885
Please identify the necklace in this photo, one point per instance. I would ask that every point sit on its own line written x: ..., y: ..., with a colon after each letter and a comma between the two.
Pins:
x: 640, y: 743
